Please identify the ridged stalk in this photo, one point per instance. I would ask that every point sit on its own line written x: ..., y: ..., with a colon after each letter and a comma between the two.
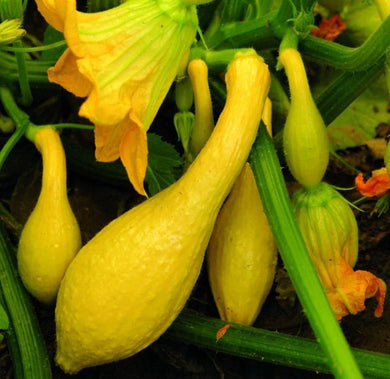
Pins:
x: 26, y: 343
x: 296, y: 259
x: 267, y: 346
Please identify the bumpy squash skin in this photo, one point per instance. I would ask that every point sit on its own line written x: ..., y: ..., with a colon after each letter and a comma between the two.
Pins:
x: 51, y: 236
x: 127, y: 284
x: 242, y: 254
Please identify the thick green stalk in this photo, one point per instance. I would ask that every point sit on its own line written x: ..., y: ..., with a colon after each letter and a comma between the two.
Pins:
x: 20, y: 118
x: 256, y: 32
x: 267, y: 346
x: 216, y: 60
x: 232, y: 10
x: 296, y: 259
x: 344, y: 89
x: 32, y: 361
x: 348, y: 58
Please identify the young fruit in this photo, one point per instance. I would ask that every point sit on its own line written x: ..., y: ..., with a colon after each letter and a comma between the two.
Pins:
x: 51, y: 236
x: 305, y: 139
x: 242, y: 253
x: 127, y: 284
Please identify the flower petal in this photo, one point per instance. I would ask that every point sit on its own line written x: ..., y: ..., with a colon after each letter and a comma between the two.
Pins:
x: 124, y: 60
x: 131, y: 54
x: 352, y: 289
x: 67, y: 74
x: 377, y: 185
x: 134, y: 156
x: 53, y: 11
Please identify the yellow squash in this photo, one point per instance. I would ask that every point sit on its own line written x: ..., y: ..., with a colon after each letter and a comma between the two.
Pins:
x: 128, y: 283
x: 242, y: 253
x: 51, y: 236
x: 305, y: 138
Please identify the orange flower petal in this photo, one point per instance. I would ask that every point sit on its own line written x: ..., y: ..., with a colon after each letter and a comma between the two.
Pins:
x: 124, y: 60
x: 330, y: 29
x: 377, y: 185
x: 108, y: 139
x: 352, y: 289
x: 134, y: 156
x: 53, y: 11
x: 67, y: 74
x: 222, y: 331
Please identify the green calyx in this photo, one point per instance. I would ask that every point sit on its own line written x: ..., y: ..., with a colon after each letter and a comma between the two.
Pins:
x: 303, y: 20
x: 327, y: 224
x: 184, y: 123
x: 316, y: 196
x: 10, y: 31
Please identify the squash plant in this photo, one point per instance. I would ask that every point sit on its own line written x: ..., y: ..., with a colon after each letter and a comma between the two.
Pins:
x: 123, y: 57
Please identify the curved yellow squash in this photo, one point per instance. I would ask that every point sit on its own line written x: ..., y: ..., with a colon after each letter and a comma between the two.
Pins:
x: 51, y: 236
x: 128, y: 284
x: 242, y: 253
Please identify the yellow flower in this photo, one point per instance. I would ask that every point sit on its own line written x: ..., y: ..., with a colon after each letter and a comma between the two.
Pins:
x: 330, y: 231
x: 124, y: 61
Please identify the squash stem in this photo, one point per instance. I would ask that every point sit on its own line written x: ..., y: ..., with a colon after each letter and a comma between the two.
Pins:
x: 296, y: 259
x: 267, y: 346
x: 26, y: 343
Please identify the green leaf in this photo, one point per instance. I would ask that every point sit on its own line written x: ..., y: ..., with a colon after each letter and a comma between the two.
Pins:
x: 359, y: 121
x: 163, y: 164
x: 51, y: 36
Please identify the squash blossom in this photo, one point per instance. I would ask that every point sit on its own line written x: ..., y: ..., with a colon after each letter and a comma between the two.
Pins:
x: 377, y: 185
x: 123, y: 61
x: 330, y: 232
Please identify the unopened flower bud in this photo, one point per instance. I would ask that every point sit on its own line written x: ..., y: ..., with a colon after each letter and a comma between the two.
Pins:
x: 10, y: 31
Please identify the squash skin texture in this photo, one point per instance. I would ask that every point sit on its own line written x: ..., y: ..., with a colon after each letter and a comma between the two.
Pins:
x: 242, y: 254
x: 51, y: 236
x: 128, y: 284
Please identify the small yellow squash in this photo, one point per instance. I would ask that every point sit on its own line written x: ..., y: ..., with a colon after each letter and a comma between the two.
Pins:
x: 242, y: 253
x: 51, y: 236
x: 127, y: 284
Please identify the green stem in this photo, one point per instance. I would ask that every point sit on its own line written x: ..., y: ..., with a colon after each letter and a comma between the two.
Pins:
x: 296, y: 259
x: 20, y: 118
x: 36, y: 70
x: 23, y: 77
x: 216, y: 60
x: 267, y: 346
x: 257, y: 33
x: 290, y: 40
x: 27, y: 342
x: 348, y: 58
x: 23, y: 49
x: 9, y: 145
x: 344, y: 89
x: 232, y: 10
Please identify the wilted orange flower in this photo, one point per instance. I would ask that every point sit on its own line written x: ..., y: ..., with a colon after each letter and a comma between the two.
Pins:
x: 353, y: 288
x: 124, y: 61
x: 330, y: 231
x: 377, y: 185
x: 329, y: 29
